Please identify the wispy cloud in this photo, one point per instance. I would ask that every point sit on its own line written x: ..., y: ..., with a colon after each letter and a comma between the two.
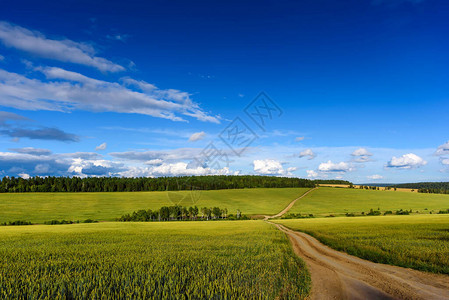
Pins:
x: 32, y: 151
x: 62, y: 50
x: 45, y: 133
x: 65, y: 91
x: 307, y: 153
x: 101, y: 147
x: 197, y: 136
x: 118, y: 37
x: 9, y: 126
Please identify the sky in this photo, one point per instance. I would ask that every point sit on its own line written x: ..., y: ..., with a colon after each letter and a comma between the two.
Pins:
x: 354, y: 90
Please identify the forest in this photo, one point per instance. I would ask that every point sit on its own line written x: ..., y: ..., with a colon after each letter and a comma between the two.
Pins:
x: 427, y: 187
x: 124, y: 184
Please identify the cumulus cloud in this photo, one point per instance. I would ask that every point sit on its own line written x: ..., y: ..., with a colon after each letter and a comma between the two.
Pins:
x: 312, y: 174
x: 445, y: 161
x: 101, y: 147
x: 174, y: 169
x: 443, y: 149
x: 307, y: 153
x: 361, y: 155
x: 24, y: 175
x: 67, y: 91
x: 197, y: 136
x: 334, y: 167
x: 375, y: 177
x: 65, y: 50
x: 271, y: 167
x: 406, y: 161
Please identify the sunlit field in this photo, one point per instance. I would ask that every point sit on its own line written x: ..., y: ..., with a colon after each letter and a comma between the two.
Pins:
x: 339, y: 201
x: 199, y: 260
x: 418, y: 241
x: 41, y: 207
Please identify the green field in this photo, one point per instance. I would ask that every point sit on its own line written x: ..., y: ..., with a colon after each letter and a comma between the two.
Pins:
x: 418, y: 241
x: 339, y: 201
x: 199, y: 260
x: 41, y: 207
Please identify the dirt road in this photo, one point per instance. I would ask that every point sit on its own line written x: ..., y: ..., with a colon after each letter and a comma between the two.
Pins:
x: 337, y: 275
x: 289, y: 206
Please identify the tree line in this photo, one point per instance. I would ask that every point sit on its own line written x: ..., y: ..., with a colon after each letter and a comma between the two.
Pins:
x: 125, y: 184
x: 181, y: 213
x: 427, y: 187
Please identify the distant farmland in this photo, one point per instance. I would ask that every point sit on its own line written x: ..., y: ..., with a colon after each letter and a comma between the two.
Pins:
x: 41, y: 207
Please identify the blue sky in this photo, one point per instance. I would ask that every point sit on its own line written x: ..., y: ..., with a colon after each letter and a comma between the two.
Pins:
x: 358, y: 89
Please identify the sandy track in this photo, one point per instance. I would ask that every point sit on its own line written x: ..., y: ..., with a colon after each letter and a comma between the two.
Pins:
x: 337, y: 275
x: 289, y: 206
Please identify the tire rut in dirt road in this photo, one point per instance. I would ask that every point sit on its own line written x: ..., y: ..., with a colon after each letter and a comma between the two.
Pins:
x: 337, y: 275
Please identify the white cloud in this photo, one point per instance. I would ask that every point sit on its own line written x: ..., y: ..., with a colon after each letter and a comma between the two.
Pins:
x: 2, y: 58
x: 406, y: 161
x: 154, y: 162
x: 299, y: 138
x: 312, y: 174
x: 271, y: 167
x: 24, y: 175
x: 361, y: 152
x: 62, y: 50
x: 361, y: 155
x: 375, y: 177
x: 101, y: 147
x: 334, y: 167
x: 443, y: 149
x: 174, y: 169
x: 309, y: 153
x: 445, y: 161
x: 67, y: 91
x: 197, y: 136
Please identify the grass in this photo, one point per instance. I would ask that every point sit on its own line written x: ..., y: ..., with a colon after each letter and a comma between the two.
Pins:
x: 41, y: 207
x: 199, y: 260
x: 338, y: 201
x: 418, y: 241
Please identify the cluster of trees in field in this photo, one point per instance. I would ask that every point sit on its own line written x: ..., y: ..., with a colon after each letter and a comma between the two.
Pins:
x: 181, y: 213
x: 120, y: 184
x: 62, y: 222
x: 52, y: 222
x: 15, y: 223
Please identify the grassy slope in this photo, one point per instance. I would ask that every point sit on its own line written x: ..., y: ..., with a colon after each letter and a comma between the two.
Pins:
x: 326, y: 200
x: 417, y: 241
x: 40, y: 207
x: 143, y: 260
